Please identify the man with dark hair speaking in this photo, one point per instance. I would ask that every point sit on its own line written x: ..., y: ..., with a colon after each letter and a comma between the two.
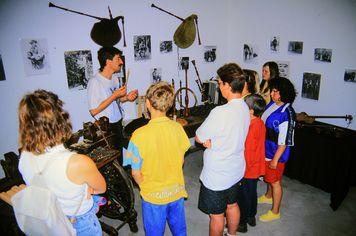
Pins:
x: 105, y: 97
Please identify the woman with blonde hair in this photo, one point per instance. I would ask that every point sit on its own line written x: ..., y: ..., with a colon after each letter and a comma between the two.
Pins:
x: 270, y: 71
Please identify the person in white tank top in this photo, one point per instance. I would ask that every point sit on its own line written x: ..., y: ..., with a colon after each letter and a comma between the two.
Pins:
x: 43, y: 128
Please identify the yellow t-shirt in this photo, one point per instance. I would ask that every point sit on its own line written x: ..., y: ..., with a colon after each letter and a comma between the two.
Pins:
x: 157, y: 150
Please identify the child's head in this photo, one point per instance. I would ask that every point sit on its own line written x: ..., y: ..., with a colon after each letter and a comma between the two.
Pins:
x: 160, y: 95
x: 256, y: 103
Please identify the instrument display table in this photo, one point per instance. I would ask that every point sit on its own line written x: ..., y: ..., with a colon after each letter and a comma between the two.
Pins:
x: 192, y: 122
x: 324, y: 156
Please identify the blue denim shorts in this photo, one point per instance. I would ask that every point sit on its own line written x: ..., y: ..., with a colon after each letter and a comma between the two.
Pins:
x: 88, y: 224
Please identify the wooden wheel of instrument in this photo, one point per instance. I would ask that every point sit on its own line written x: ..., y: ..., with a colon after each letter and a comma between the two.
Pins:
x: 180, y: 90
x: 120, y: 195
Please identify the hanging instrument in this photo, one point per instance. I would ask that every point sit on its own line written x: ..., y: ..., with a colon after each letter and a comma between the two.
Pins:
x: 184, y: 35
x: 106, y: 32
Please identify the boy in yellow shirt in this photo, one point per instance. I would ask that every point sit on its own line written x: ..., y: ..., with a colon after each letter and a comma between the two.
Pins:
x: 156, y: 155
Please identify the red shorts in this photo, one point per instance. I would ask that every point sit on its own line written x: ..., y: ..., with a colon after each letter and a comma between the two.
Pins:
x: 274, y: 175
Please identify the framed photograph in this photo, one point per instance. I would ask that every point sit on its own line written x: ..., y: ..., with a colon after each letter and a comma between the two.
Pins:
x: 349, y: 75
x: 209, y: 53
x: 2, y: 71
x: 156, y: 75
x: 35, y: 56
x: 165, y: 46
x: 295, y: 47
x: 274, y: 44
x: 283, y: 67
x: 250, y: 52
x: 79, y: 67
x: 323, y: 54
x: 142, y: 47
x: 184, y: 63
x: 311, y: 85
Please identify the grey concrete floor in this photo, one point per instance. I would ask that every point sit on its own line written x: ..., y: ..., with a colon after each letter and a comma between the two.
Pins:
x: 305, y: 210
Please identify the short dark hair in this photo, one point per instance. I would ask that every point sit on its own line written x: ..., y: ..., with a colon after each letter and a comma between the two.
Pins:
x: 256, y: 103
x: 232, y: 74
x: 107, y: 53
x: 285, y: 87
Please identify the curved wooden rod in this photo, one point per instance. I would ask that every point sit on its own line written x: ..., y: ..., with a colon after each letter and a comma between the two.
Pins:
x: 80, y: 13
x: 180, y: 18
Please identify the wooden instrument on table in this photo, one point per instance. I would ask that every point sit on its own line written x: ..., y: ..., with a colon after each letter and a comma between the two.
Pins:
x: 204, y: 99
x: 173, y: 86
x: 106, y: 32
x: 184, y: 35
x: 180, y: 95
x: 186, y: 98
x: 304, y: 117
x: 186, y: 109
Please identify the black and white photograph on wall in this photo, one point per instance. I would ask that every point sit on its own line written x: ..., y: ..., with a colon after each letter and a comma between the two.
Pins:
x: 323, y: 54
x: 283, y: 67
x: 35, y: 56
x: 2, y: 71
x: 274, y: 44
x: 295, y: 47
x: 184, y: 63
x: 165, y: 46
x: 250, y: 53
x: 209, y: 53
x: 142, y: 47
x: 350, y: 75
x: 156, y: 75
x: 79, y: 67
x: 311, y: 85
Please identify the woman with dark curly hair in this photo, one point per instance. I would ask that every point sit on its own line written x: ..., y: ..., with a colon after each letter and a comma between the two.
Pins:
x: 269, y: 71
x: 43, y: 128
x: 279, y: 118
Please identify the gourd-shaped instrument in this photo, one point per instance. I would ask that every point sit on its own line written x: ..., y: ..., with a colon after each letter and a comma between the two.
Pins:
x: 106, y: 32
x: 184, y: 35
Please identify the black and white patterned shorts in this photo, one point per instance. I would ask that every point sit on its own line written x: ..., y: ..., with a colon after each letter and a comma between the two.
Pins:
x: 215, y: 202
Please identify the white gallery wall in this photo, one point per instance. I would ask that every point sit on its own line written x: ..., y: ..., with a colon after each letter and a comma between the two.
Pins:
x: 66, y: 31
x: 326, y: 24
x: 226, y: 24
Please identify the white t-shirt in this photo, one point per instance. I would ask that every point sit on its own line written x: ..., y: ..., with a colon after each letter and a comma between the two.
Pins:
x: 69, y: 194
x: 99, y: 89
x: 226, y: 127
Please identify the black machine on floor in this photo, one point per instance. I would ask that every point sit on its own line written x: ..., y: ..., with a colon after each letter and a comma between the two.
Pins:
x: 96, y: 143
